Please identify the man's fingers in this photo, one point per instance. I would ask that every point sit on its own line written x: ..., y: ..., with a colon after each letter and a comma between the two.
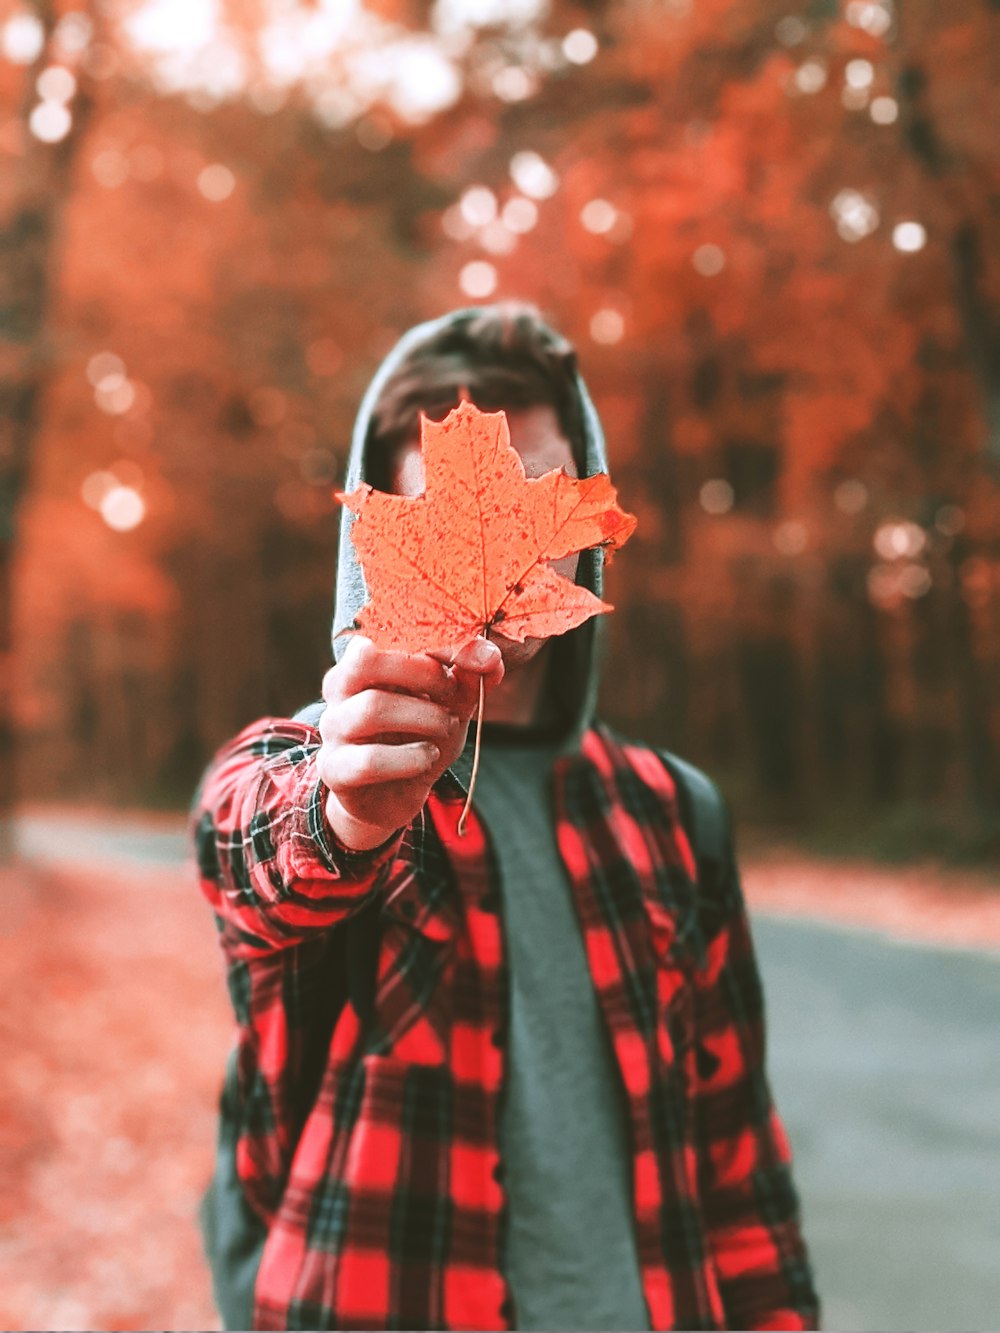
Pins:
x: 479, y: 656
x: 363, y: 666
x: 475, y: 661
x: 366, y: 765
x: 377, y: 712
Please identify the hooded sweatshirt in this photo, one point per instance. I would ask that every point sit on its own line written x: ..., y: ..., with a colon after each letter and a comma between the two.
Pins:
x: 569, y: 1244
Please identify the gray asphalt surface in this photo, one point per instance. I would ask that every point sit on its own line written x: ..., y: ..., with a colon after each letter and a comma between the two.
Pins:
x: 83, y: 838
x: 885, y: 1065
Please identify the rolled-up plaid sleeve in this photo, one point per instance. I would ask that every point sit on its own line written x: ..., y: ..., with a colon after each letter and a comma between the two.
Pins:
x: 751, y: 1206
x: 268, y: 861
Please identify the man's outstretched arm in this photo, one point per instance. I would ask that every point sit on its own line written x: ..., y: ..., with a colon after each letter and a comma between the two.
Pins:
x: 269, y: 863
x: 294, y: 828
x: 750, y: 1201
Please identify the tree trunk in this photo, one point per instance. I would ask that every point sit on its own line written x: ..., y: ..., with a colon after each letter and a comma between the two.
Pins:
x: 946, y: 172
x: 8, y: 752
x: 973, y: 698
x: 32, y: 196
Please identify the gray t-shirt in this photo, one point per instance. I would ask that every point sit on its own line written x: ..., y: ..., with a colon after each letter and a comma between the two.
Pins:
x: 570, y: 1244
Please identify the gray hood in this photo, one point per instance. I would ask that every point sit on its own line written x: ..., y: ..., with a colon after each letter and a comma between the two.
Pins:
x: 576, y: 655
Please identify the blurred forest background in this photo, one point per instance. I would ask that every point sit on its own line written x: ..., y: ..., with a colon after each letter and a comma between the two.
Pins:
x: 770, y: 226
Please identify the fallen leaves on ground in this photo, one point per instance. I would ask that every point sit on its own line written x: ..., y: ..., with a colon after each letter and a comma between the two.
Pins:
x: 114, y: 1027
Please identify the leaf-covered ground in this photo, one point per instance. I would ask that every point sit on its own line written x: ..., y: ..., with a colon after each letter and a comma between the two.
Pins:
x: 113, y: 1031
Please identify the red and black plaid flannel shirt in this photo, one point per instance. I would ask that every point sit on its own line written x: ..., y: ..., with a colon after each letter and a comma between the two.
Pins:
x: 383, y: 1193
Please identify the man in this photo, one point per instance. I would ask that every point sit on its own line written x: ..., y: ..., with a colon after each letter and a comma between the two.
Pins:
x: 551, y: 1110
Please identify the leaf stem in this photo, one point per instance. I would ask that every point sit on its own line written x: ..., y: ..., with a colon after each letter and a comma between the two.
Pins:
x: 475, y: 758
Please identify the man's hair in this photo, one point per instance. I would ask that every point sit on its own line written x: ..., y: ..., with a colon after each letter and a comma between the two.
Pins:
x: 503, y: 357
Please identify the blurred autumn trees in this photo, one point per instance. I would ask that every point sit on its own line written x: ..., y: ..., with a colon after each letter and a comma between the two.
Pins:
x: 34, y: 188
x: 771, y: 229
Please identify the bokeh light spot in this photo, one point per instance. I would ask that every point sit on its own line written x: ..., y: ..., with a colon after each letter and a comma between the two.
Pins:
x: 914, y: 580
x: 533, y: 176
x: 873, y: 18
x: 883, y: 585
x: 173, y: 25
x: 478, y: 205
x: 102, y: 364
x: 478, y: 279
x: 122, y: 508
x: 791, y: 537
x: 855, y: 214
x: 716, y: 496
x: 811, y: 76
x: 496, y: 239
x: 96, y: 486
x: 854, y: 99
x: 580, y: 46
x: 894, y: 541
x: 519, y: 215
x: 114, y: 394
x: 709, y: 260
x: 23, y: 39
x: 455, y: 224
x: 514, y: 83
x: 422, y: 80
x: 859, y: 73
x: 884, y: 110
x: 599, y: 216
x: 73, y: 32
x: 909, y: 237
x: 791, y: 30
x: 607, y: 326
x: 55, y: 84
x: 216, y: 182
x: 50, y: 122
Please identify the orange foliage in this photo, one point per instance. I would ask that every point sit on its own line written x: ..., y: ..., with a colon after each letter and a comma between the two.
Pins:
x: 738, y: 329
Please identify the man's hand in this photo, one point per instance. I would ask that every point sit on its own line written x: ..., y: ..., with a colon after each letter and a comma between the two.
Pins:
x: 393, y: 723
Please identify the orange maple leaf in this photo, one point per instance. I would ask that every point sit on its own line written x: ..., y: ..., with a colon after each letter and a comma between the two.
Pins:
x: 470, y: 553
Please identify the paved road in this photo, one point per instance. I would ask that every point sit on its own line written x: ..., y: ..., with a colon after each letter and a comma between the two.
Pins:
x: 61, y: 836
x: 885, y: 1064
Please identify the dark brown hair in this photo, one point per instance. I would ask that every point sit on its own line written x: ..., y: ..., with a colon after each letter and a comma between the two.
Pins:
x: 502, y: 357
